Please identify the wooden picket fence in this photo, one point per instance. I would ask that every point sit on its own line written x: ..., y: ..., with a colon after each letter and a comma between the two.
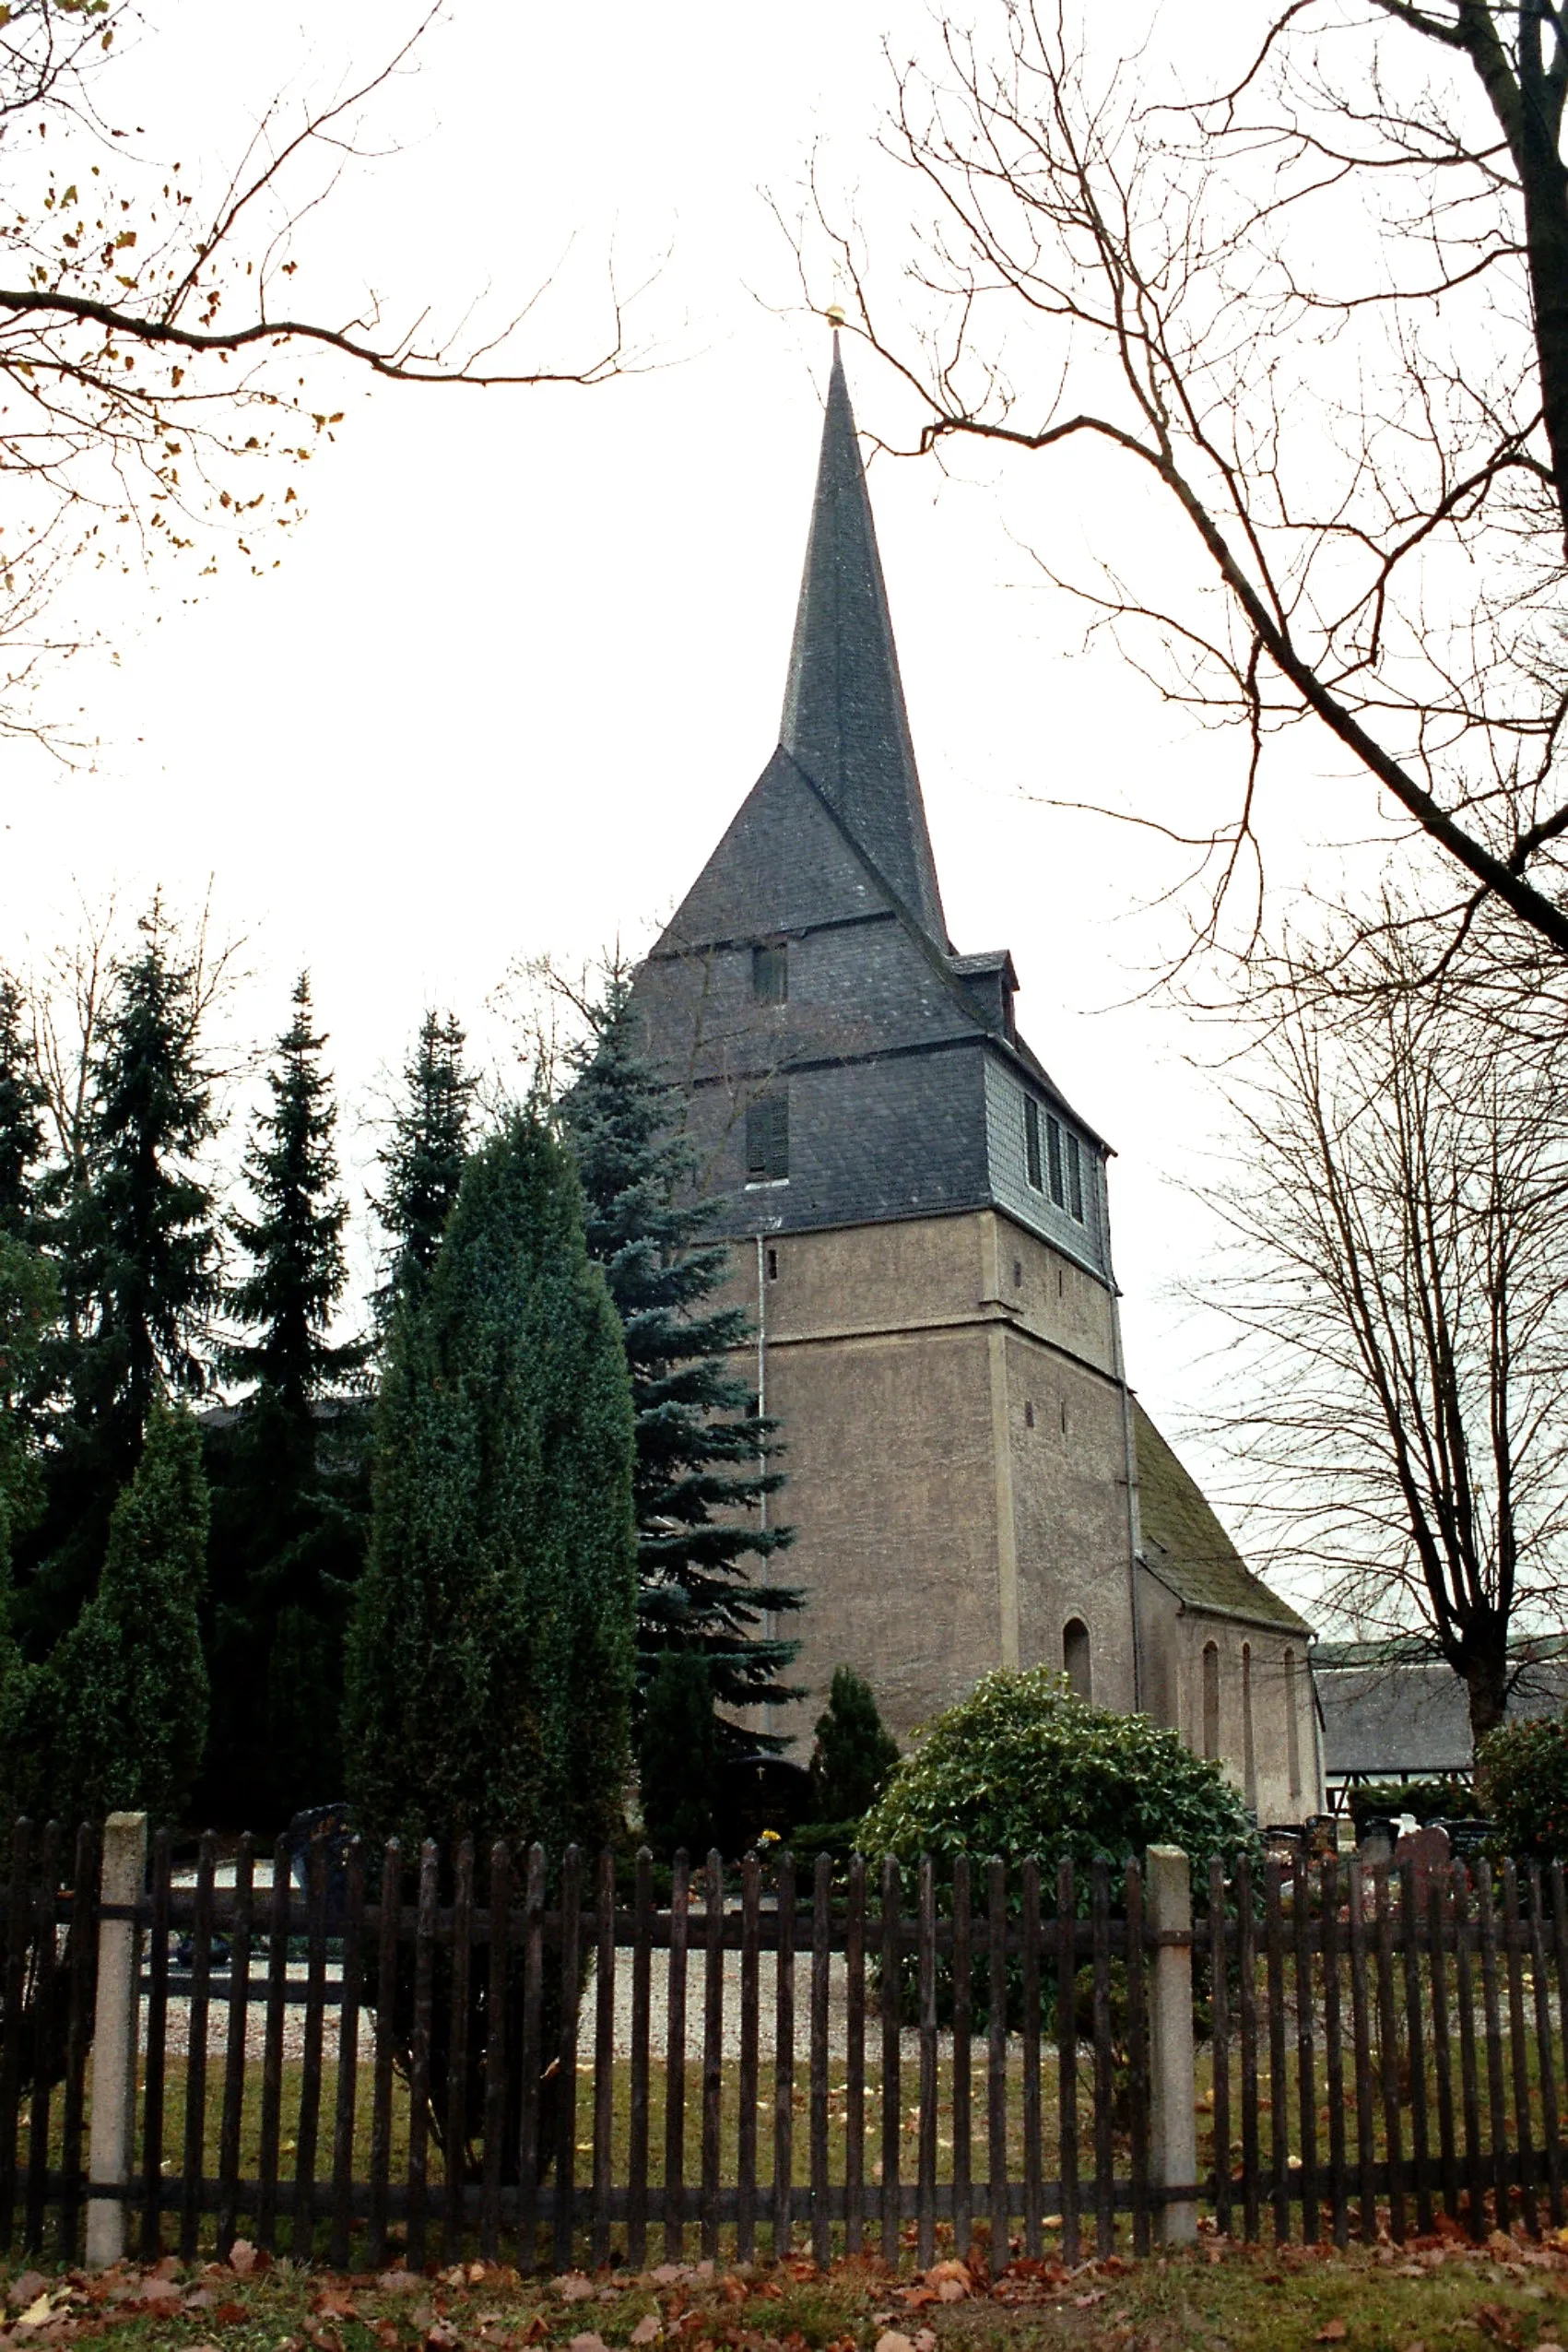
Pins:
x: 997, y: 2059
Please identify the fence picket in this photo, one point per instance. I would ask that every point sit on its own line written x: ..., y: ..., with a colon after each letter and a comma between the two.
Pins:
x: 195, y: 2047
x: 272, y: 2052
x: 997, y: 2057
x: 1034, y: 2168
x: 925, y: 2141
x: 78, y: 2037
x: 1279, y: 2094
x: 389, y: 1917
x: 454, y: 2134
x: 963, y: 2056
x: 713, y: 2048
x: 1067, y: 2054
x: 1306, y: 2054
x: 566, y: 2056
x: 234, y: 2057
x: 604, y: 2054
x: 750, y: 2003
x: 675, y: 2061
x: 16, y: 1907
x: 1438, y: 1904
x: 1334, y: 2055
x: 1246, y: 1949
x: 1388, y: 2057
x: 419, y: 2053
x: 1220, y: 1998
x: 1415, y: 2044
x: 347, y: 2094
x: 822, y: 1965
x: 1104, y: 2075
x: 1361, y: 2033
x: 43, y: 1941
x: 1138, y: 2065
x: 637, y: 2132
x: 1465, y: 1994
x: 1523, y: 2136
x: 497, y: 2027
x: 309, y: 2122
x: 784, y: 2063
x: 892, y: 2101
x: 156, y: 2042
x: 1545, y: 2054
x: 1497, y: 2094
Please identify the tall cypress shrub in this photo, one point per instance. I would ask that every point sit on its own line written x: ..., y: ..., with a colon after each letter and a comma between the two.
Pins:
x: 121, y: 1702
x: 490, y: 1654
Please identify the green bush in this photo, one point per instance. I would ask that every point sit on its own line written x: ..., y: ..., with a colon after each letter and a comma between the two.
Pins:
x: 1428, y: 1800
x: 1522, y: 1781
x: 1024, y: 1766
x: 855, y: 1753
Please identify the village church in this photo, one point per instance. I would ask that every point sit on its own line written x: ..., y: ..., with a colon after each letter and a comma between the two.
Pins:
x: 920, y: 1228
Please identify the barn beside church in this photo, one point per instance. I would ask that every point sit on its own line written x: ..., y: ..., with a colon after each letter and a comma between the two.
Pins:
x: 920, y: 1227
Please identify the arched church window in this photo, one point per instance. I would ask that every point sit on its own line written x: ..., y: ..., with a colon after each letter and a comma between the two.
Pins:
x: 1249, y: 1750
x: 770, y: 973
x: 1075, y: 1657
x: 1292, y: 1724
x: 1211, y: 1699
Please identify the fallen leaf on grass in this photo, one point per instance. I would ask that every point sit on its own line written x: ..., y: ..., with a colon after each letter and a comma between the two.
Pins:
x: 1332, y: 2332
x: 242, y: 2257
x: 334, y: 2303
x: 27, y: 2288
x: 399, y: 2282
x: 891, y: 2341
x: 442, y: 2336
x: 1498, y: 2321
x: 647, y: 2330
x: 38, y: 2314
x: 925, y: 2340
x: 1097, y: 2295
x: 591, y: 2342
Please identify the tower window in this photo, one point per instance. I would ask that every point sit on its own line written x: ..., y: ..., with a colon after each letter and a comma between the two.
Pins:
x: 1292, y: 1725
x: 1018, y: 1273
x: 767, y: 1140
x: 1211, y: 1700
x: 1028, y: 1415
x: 769, y: 974
x: 772, y: 1265
x: 1075, y: 1657
x: 1075, y: 1179
x: 1031, y: 1139
x: 1054, y: 1144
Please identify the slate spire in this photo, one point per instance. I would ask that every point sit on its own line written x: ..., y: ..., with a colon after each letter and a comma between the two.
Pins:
x: 845, y: 721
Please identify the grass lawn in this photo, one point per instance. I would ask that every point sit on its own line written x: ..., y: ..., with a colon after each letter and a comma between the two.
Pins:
x: 1437, y: 2295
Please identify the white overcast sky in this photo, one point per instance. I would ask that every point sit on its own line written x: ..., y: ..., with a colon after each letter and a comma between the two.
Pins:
x: 525, y: 656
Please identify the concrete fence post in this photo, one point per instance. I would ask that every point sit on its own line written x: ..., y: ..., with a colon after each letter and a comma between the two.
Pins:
x: 115, y: 2019
x: 1173, y: 2080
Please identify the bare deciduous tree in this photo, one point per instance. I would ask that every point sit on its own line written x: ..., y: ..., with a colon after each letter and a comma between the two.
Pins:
x: 149, y: 343
x: 1326, y: 311
x: 1397, y: 1277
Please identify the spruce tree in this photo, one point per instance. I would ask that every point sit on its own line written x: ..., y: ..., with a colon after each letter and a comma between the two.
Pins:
x: 288, y: 1467
x: 702, y: 1449
x: 138, y: 1247
x: 123, y: 1699
x: 491, y: 1649
x: 21, y: 1117
x: 424, y: 1158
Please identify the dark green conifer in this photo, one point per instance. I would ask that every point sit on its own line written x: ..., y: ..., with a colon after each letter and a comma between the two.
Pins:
x: 491, y: 1649
x: 702, y: 1451
x: 21, y: 1116
x: 424, y: 1158
x: 121, y: 1702
x: 288, y: 1467
x: 855, y: 1754
x: 137, y: 1248
x: 678, y: 1755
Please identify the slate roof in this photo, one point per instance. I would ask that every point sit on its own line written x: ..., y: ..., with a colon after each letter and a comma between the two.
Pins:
x: 1393, y: 1711
x: 1186, y: 1546
x: 844, y: 720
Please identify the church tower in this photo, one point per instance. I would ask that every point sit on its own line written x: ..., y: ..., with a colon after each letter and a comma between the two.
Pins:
x: 920, y: 1230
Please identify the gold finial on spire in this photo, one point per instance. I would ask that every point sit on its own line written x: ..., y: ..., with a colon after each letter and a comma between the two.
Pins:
x: 835, y: 314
